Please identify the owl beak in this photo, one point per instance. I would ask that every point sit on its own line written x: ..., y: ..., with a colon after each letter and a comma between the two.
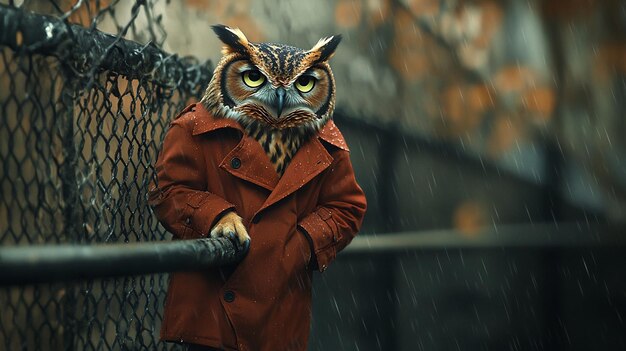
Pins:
x: 280, y: 100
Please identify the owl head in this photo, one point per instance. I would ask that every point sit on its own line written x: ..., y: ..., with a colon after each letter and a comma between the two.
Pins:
x: 278, y: 86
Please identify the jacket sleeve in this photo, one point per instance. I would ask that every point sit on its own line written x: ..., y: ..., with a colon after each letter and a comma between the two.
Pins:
x: 338, y: 217
x: 180, y: 198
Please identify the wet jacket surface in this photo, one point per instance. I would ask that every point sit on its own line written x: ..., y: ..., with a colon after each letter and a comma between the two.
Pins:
x: 297, y: 223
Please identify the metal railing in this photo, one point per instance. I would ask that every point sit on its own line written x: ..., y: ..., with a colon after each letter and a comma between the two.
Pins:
x: 62, y: 263
x: 561, y: 235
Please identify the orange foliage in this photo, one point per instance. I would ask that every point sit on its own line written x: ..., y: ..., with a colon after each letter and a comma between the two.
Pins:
x: 454, y: 104
x: 611, y: 57
x: 378, y: 11
x: 530, y: 94
x: 540, y: 102
x: 514, y: 79
x: 217, y: 8
x: 407, y: 56
x: 424, y: 7
x: 348, y: 13
x: 491, y: 19
x: 233, y: 14
x: 470, y: 218
x: 463, y: 108
x: 247, y: 25
x: 568, y: 9
x: 479, y: 98
x: 404, y: 30
x: 199, y: 4
x: 505, y: 133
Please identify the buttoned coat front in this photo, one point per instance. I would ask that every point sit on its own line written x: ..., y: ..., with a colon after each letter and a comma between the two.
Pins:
x: 297, y: 222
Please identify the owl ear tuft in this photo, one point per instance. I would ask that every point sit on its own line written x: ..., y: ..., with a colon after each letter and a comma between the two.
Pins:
x: 233, y: 38
x: 326, y: 47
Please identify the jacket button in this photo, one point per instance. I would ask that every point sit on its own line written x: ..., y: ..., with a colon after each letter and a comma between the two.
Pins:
x: 229, y: 296
x: 235, y: 162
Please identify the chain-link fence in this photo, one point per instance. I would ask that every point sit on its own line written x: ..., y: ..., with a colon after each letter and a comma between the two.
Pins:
x: 82, y: 114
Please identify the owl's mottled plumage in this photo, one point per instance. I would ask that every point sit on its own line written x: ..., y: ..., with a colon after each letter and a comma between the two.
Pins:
x: 280, y: 94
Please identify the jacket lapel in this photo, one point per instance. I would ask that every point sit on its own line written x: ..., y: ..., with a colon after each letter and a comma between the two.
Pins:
x: 249, y: 162
x: 311, y: 160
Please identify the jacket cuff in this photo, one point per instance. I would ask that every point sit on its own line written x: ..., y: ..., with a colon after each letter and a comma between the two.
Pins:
x: 323, y: 236
x: 201, y: 212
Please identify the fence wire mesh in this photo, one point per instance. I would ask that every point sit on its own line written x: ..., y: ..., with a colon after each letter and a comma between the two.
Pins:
x: 81, y: 117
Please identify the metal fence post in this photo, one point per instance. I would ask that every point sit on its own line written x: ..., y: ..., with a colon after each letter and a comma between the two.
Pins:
x: 386, y: 188
x: 67, y: 174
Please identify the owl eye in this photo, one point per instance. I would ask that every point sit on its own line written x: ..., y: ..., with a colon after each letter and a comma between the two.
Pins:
x: 253, y: 78
x: 305, y: 84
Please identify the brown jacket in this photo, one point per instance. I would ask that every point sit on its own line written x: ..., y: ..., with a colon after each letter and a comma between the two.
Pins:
x: 208, y: 166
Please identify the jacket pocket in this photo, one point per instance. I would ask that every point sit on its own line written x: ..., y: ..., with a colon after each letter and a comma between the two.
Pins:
x: 296, y: 260
x: 327, y: 216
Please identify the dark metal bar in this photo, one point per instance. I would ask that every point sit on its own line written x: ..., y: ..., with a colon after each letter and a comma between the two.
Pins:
x: 386, y: 180
x: 72, y: 222
x: 48, y: 264
x: 57, y: 263
x: 82, y: 48
x: 524, y: 236
x: 387, y: 203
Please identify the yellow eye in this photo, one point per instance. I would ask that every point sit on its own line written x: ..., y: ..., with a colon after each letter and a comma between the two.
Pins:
x: 305, y: 84
x: 253, y: 78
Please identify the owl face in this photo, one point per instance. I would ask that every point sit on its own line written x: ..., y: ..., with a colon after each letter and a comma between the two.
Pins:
x: 280, y: 86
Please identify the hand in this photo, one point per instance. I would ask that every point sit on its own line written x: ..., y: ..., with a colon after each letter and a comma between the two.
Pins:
x: 230, y: 226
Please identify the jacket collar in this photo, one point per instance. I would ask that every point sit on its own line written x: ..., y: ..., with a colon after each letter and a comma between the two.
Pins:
x: 205, y: 123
